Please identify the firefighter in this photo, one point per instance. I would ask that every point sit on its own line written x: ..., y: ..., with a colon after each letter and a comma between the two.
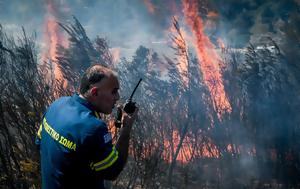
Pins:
x: 75, y: 145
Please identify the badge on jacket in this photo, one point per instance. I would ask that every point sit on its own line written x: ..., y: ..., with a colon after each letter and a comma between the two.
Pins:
x: 107, y: 138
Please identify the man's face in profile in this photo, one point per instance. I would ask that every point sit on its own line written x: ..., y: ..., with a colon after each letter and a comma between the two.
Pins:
x: 107, y: 94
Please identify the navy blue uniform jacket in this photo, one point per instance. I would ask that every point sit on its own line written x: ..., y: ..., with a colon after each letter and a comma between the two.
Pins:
x: 75, y: 146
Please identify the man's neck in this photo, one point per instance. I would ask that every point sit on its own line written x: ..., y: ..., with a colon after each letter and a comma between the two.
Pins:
x: 87, y: 99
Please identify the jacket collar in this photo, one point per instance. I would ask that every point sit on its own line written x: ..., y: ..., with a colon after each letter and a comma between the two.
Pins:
x: 83, y: 101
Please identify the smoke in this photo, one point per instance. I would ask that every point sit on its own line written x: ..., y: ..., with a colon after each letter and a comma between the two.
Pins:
x: 150, y: 6
x: 126, y: 24
x: 130, y: 23
x: 244, y: 21
x: 14, y: 14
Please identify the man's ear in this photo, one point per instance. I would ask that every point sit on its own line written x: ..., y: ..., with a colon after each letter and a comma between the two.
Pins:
x: 94, y: 91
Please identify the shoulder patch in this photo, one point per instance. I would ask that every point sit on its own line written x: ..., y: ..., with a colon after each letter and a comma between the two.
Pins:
x: 107, y: 138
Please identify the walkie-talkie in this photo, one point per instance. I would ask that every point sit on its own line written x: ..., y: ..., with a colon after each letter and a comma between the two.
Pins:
x: 129, y: 107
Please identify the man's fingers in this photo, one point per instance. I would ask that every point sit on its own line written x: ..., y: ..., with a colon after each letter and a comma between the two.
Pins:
x: 128, y: 119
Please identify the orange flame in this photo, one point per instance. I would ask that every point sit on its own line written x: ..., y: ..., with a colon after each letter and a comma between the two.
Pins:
x: 222, y: 45
x: 208, y: 57
x: 212, y: 14
x: 52, y: 38
x: 150, y: 6
x: 112, y: 129
x: 186, y: 153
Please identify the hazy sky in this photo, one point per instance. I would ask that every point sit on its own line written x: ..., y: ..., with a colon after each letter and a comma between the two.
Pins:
x: 130, y: 23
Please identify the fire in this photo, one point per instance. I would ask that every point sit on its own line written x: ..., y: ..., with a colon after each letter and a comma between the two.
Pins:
x: 209, y: 58
x: 233, y: 149
x: 191, y: 148
x: 150, y: 6
x: 112, y: 129
x: 187, y: 151
x: 212, y: 14
x: 52, y: 38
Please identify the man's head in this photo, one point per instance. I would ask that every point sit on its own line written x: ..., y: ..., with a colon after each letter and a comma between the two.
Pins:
x: 99, y: 86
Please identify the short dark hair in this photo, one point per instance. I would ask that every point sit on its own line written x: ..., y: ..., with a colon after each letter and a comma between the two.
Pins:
x: 92, y: 75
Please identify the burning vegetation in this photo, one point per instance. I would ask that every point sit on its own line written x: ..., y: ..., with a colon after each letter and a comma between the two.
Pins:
x: 221, y: 118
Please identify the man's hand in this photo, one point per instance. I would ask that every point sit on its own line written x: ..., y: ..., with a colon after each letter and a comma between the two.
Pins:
x: 128, y: 119
x: 123, y: 141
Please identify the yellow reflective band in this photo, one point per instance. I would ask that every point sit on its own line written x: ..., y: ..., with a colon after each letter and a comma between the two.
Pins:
x: 107, y: 162
x: 113, y: 152
x: 39, y: 133
x: 107, y: 165
x: 97, y: 115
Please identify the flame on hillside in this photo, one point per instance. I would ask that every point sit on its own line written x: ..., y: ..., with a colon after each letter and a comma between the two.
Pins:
x: 190, y: 148
x: 208, y: 57
x: 52, y: 38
